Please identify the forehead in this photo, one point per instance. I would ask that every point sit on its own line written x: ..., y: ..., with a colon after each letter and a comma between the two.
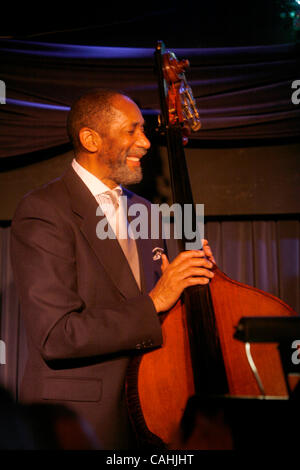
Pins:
x: 126, y: 112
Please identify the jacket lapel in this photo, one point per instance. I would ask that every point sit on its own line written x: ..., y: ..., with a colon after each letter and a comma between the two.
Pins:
x: 108, y: 251
x: 150, y: 270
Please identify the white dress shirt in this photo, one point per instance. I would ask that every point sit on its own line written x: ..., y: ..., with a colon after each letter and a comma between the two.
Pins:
x: 115, y: 216
x: 98, y: 190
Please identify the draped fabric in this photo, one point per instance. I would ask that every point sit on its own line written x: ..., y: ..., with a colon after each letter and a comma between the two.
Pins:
x: 246, y: 251
x: 241, y: 92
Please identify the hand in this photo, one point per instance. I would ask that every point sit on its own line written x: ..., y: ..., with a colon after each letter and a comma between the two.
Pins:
x: 189, y: 268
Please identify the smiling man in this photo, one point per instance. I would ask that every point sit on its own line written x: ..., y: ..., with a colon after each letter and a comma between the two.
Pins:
x: 90, y: 304
x: 113, y: 135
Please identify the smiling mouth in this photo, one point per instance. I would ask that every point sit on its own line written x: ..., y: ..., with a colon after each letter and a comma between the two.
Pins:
x: 133, y: 161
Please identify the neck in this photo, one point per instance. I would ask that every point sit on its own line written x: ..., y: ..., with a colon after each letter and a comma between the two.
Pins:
x: 99, y: 171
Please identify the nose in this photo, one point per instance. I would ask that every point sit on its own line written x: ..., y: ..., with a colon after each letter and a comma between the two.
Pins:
x: 143, y: 141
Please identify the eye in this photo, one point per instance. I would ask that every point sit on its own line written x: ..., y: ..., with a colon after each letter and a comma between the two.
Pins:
x: 135, y: 129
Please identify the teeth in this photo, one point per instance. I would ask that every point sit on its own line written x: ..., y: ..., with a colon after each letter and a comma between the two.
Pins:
x: 134, y: 159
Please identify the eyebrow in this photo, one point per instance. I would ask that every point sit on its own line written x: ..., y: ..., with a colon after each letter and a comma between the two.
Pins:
x: 137, y: 123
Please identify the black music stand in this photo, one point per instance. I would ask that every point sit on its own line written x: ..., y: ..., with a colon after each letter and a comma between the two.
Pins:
x: 255, y: 423
x: 282, y: 330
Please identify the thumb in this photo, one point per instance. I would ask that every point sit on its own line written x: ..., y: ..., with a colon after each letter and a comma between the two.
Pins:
x: 164, y: 262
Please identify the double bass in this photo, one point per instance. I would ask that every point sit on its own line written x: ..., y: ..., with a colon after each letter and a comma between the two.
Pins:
x: 200, y: 354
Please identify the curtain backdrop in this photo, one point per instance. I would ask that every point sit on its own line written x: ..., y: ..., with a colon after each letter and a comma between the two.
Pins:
x: 241, y: 92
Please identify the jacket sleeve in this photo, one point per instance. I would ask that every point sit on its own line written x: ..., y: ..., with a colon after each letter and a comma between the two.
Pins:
x: 57, y: 320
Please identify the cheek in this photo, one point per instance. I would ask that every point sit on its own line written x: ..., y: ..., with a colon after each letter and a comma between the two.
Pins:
x: 116, y: 151
x: 126, y: 148
x: 119, y: 148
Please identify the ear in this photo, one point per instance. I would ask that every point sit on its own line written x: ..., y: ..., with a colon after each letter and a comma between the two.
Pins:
x: 90, y: 139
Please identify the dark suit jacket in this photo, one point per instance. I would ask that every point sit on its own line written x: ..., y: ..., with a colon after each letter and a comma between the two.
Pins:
x: 84, y: 313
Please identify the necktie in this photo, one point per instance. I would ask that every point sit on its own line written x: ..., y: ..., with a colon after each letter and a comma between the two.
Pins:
x: 117, y: 217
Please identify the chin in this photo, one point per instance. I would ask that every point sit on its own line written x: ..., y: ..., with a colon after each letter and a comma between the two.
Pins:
x: 131, y: 176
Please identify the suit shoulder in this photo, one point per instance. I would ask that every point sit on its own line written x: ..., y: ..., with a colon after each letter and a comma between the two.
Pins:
x: 44, y: 196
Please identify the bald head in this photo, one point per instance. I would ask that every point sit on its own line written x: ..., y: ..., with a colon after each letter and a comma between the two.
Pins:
x: 94, y: 110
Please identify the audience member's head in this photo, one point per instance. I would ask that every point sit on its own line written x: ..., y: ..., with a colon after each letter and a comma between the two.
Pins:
x: 42, y: 426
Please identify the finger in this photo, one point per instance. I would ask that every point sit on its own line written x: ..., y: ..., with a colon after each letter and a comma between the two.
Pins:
x: 187, y: 255
x: 200, y: 262
x: 193, y: 263
x: 209, y: 254
x: 198, y: 272
x: 207, y: 250
x: 195, y: 281
x: 165, y: 262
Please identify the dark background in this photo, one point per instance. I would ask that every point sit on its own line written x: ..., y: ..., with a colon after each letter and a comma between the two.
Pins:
x: 181, y: 24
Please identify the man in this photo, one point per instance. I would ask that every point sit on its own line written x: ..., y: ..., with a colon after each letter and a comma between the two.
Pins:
x: 86, y: 309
